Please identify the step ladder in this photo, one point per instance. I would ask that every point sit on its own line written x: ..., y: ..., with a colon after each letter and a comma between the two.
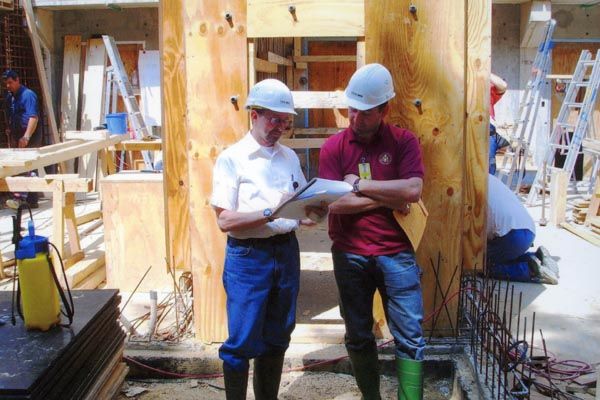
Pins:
x: 560, y: 139
x: 513, y: 164
x: 116, y: 74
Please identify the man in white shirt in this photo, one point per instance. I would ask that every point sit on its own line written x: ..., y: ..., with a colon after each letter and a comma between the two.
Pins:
x: 262, y: 259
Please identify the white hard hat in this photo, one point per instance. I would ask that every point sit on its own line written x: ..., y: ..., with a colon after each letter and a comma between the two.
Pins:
x: 271, y: 94
x: 369, y: 87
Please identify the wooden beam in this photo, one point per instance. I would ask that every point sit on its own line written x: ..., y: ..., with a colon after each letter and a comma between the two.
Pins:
x: 437, y: 78
x: 534, y: 18
x: 175, y: 135
x: 303, y: 143
x: 316, y: 131
x: 279, y: 60
x: 46, y: 184
x: 210, y: 55
x: 261, y: 65
x: 69, y: 95
x: 66, y: 151
x: 332, y: 58
x: 479, y: 32
x: 137, y: 145
x: 559, y: 180
x: 582, y: 233
x: 361, y: 52
x: 91, y: 216
x: 87, y: 135
x: 307, y: 99
x: 39, y: 62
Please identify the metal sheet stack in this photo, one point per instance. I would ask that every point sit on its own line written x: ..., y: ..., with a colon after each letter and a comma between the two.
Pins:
x: 82, y: 361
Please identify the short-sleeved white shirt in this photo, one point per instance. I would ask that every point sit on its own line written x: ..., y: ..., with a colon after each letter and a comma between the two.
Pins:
x: 249, y: 177
x: 505, y: 211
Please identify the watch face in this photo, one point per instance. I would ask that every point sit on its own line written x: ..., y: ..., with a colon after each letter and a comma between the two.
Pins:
x: 268, y: 212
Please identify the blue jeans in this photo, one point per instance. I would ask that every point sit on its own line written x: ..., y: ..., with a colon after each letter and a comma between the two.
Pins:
x: 261, y: 279
x: 398, y: 279
x: 507, y: 255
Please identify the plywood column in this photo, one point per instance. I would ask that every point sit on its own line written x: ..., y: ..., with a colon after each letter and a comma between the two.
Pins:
x: 478, y: 64
x: 425, y: 52
x: 216, y: 72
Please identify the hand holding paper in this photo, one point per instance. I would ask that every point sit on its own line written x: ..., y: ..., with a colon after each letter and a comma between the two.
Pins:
x: 314, y: 196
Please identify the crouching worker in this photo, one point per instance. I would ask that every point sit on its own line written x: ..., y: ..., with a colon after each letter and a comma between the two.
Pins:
x: 510, y: 234
x: 262, y: 259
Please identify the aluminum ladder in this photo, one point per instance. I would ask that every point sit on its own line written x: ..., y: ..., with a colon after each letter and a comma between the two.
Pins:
x: 513, y: 164
x: 560, y: 138
x: 116, y: 73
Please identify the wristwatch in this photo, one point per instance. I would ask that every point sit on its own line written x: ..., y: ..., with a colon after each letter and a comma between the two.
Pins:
x: 268, y: 214
x: 355, y: 187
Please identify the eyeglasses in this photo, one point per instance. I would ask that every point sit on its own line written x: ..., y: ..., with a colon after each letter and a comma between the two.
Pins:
x: 286, y: 122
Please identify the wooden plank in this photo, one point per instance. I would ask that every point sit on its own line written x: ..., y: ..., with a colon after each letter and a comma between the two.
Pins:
x: 325, y: 58
x: 261, y: 65
x: 558, y: 196
x: 46, y: 184
x: 325, y: 18
x: 92, y: 101
x: 87, y: 135
x: 582, y: 233
x: 69, y: 95
x: 213, y: 50
x: 75, y: 148
x: 360, y: 52
x: 58, y: 225
x: 313, y: 99
x: 594, y: 206
x: 437, y: 78
x: 92, y: 281
x: 85, y: 218
x: 316, y: 131
x: 279, y: 60
x: 479, y: 31
x: 303, y: 143
x: 137, y: 145
x: 104, y: 376
x: 79, y: 271
x: 39, y: 62
x: 175, y: 136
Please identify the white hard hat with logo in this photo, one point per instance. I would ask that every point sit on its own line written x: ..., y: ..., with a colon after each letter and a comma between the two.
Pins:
x: 369, y: 87
x: 271, y: 94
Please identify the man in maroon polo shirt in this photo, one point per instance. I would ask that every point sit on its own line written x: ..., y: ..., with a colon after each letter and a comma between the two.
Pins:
x: 370, y: 250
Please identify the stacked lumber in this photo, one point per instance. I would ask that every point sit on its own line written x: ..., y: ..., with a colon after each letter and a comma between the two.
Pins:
x: 83, y: 361
x: 580, y: 211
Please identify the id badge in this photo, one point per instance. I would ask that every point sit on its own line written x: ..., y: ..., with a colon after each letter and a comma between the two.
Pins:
x: 364, y: 171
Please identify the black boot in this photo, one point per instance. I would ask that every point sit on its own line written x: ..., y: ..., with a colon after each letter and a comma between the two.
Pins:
x: 236, y: 384
x: 365, y: 365
x: 267, y: 376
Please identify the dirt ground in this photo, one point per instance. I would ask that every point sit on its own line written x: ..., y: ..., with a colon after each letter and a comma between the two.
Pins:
x: 294, y: 386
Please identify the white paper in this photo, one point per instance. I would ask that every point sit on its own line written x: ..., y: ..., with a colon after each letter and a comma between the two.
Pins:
x: 316, y: 191
x: 149, y: 71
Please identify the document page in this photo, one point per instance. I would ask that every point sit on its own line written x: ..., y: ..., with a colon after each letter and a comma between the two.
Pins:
x: 317, y: 190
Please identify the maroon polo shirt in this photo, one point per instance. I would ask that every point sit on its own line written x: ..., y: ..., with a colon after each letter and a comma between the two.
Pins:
x: 394, y: 153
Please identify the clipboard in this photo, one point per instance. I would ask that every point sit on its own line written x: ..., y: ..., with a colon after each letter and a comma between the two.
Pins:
x: 317, y: 190
x: 414, y: 223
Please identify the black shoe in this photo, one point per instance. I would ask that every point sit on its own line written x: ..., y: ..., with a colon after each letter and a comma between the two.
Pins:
x: 236, y: 384
x: 267, y: 376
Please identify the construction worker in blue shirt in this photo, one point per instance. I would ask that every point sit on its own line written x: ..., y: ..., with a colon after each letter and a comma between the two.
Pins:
x: 23, y: 125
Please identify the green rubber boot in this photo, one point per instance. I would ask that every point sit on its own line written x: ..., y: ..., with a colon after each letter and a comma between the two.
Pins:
x: 410, y: 379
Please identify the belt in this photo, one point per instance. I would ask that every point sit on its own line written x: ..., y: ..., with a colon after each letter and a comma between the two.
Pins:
x: 277, y: 239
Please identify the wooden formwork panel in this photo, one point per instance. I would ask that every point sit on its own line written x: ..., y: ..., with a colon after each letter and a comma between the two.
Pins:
x: 425, y: 52
x: 307, y: 18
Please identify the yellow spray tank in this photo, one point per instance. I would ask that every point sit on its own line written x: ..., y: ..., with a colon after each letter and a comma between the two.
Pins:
x: 39, y: 290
